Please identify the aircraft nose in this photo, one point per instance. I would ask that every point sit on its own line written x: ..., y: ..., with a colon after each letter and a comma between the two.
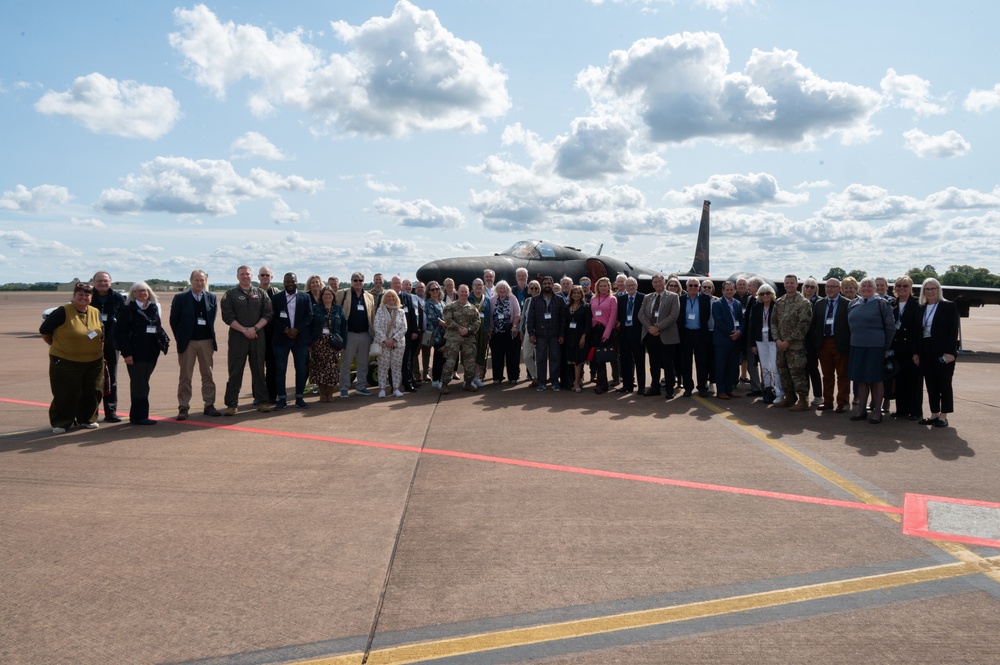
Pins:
x: 429, y: 271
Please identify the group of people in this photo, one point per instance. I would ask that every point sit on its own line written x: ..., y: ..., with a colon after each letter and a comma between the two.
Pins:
x: 856, y: 345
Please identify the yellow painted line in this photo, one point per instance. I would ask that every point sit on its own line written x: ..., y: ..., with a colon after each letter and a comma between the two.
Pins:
x: 957, y: 550
x: 503, y: 639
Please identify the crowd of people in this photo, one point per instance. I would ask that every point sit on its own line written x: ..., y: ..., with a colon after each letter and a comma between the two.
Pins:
x: 857, y: 348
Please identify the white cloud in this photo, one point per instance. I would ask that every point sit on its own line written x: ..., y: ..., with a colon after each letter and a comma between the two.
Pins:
x: 406, y: 73
x: 949, y: 144
x: 282, y: 213
x: 718, y: 5
x: 92, y: 223
x: 420, y: 213
x: 121, y: 108
x: 680, y: 88
x: 912, y: 92
x: 981, y: 101
x: 207, y: 186
x: 390, y: 247
x: 149, y: 249
x: 377, y: 186
x: 34, y: 199
x: 28, y: 245
x: 737, y: 189
x: 598, y: 147
x: 255, y: 144
x: 815, y: 184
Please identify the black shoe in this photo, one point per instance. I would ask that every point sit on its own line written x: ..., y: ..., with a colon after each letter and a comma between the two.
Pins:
x: 651, y: 392
x: 704, y: 393
x: 301, y: 403
x: 687, y: 393
x: 280, y: 404
x: 111, y: 418
x: 146, y: 421
x: 212, y: 411
x: 623, y: 389
x: 941, y: 422
x: 754, y: 393
x: 862, y: 415
x: 928, y: 421
x: 410, y: 389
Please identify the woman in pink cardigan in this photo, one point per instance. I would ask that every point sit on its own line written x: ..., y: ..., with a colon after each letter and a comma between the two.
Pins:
x: 604, y: 316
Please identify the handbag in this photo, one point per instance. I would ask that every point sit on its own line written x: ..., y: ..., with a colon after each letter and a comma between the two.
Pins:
x: 335, y: 341
x: 439, y: 340
x: 604, y: 354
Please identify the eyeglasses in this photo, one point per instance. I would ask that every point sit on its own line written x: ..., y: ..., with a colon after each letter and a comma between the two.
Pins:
x: 142, y: 291
x: 86, y: 288
x: 357, y: 280
x: 264, y: 274
x: 434, y: 288
x: 930, y: 288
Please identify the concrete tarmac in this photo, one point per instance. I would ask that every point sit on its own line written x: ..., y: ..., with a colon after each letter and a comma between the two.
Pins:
x: 503, y: 526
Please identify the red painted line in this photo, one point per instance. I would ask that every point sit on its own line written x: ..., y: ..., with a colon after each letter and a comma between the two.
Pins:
x: 598, y: 473
x: 915, y: 522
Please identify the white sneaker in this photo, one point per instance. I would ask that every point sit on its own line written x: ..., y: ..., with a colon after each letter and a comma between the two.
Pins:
x: 91, y: 425
x: 58, y: 430
x: 381, y: 393
x: 397, y: 393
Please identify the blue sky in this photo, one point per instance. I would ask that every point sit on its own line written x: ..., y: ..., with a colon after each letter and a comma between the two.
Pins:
x: 153, y: 138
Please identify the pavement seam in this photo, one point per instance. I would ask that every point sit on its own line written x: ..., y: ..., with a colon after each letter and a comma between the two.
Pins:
x: 399, y: 533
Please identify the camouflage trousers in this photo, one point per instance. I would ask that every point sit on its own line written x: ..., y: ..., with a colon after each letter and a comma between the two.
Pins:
x: 466, y: 347
x: 792, y: 370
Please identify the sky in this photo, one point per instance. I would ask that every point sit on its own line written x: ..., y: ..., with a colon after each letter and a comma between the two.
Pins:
x: 153, y: 138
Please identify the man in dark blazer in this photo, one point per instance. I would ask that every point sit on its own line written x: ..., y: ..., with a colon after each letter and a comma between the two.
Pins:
x: 192, y: 321
x: 830, y: 335
x: 292, y: 320
x: 659, y: 315
x: 907, y: 388
x: 411, y: 309
x: 630, y: 350
x: 696, y: 339
x: 727, y: 331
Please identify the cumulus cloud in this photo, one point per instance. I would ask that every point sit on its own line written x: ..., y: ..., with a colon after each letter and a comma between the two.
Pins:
x: 120, y: 108
x: 718, y: 5
x: 949, y: 144
x: 405, y: 73
x: 28, y: 245
x: 34, y: 199
x: 737, y: 189
x: 255, y: 144
x: 419, y: 213
x: 598, y: 147
x: 282, y: 213
x: 376, y: 186
x: 390, y: 247
x: 910, y: 92
x: 91, y: 223
x: 681, y: 89
x: 981, y: 101
x: 207, y: 186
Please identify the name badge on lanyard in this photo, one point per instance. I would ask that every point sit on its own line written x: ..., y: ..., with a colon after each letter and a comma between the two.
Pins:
x: 361, y: 307
x: 202, y: 322
x: 572, y: 324
x: 151, y: 329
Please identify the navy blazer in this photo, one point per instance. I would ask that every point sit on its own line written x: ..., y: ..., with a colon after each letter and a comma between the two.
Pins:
x: 636, y: 327
x: 841, y: 327
x: 414, y: 322
x: 183, y: 317
x: 704, y: 313
x: 726, y: 320
x: 302, y: 322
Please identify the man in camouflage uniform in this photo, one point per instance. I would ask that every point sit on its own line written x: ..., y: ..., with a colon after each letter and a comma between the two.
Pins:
x: 461, y: 321
x: 789, y: 326
x: 246, y: 309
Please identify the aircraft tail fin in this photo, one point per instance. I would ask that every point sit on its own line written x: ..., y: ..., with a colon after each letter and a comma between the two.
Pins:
x: 599, y: 249
x: 700, y: 266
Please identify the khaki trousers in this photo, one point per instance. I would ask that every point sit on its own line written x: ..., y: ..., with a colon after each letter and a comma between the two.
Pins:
x: 202, y: 351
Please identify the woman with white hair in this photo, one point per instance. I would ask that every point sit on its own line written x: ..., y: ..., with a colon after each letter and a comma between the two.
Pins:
x: 763, y: 343
x: 390, y: 339
x: 140, y: 337
x: 938, y: 350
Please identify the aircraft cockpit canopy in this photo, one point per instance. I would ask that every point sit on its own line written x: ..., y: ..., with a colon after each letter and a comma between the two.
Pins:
x: 532, y: 250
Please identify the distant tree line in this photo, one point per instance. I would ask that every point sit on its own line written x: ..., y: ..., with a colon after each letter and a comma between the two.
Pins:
x: 954, y: 276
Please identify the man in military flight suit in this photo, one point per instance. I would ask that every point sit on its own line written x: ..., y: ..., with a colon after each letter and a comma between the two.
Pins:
x: 461, y: 321
x: 246, y: 309
x: 790, y: 326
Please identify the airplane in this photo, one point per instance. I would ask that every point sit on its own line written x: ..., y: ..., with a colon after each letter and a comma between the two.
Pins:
x: 541, y: 258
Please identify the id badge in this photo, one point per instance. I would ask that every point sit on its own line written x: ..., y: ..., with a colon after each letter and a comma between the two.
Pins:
x: 736, y: 325
x: 151, y: 330
x: 326, y: 331
x: 765, y: 330
x: 597, y: 312
x: 691, y: 317
x: 360, y: 307
x: 572, y: 324
x: 405, y: 310
x: 283, y: 315
x: 548, y: 316
x: 628, y: 320
x: 927, y: 332
x: 92, y: 334
x: 104, y: 317
x: 202, y: 322
x: 829, y: 321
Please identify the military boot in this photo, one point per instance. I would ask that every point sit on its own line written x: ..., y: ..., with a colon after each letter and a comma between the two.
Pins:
x: 802, y: 404
x: 787, y: 402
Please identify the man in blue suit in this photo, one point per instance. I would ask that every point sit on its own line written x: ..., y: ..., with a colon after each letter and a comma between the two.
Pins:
x: 727, y: 316
x: 696, y: 339
x: 292, y: 319
x: 192, y: 320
